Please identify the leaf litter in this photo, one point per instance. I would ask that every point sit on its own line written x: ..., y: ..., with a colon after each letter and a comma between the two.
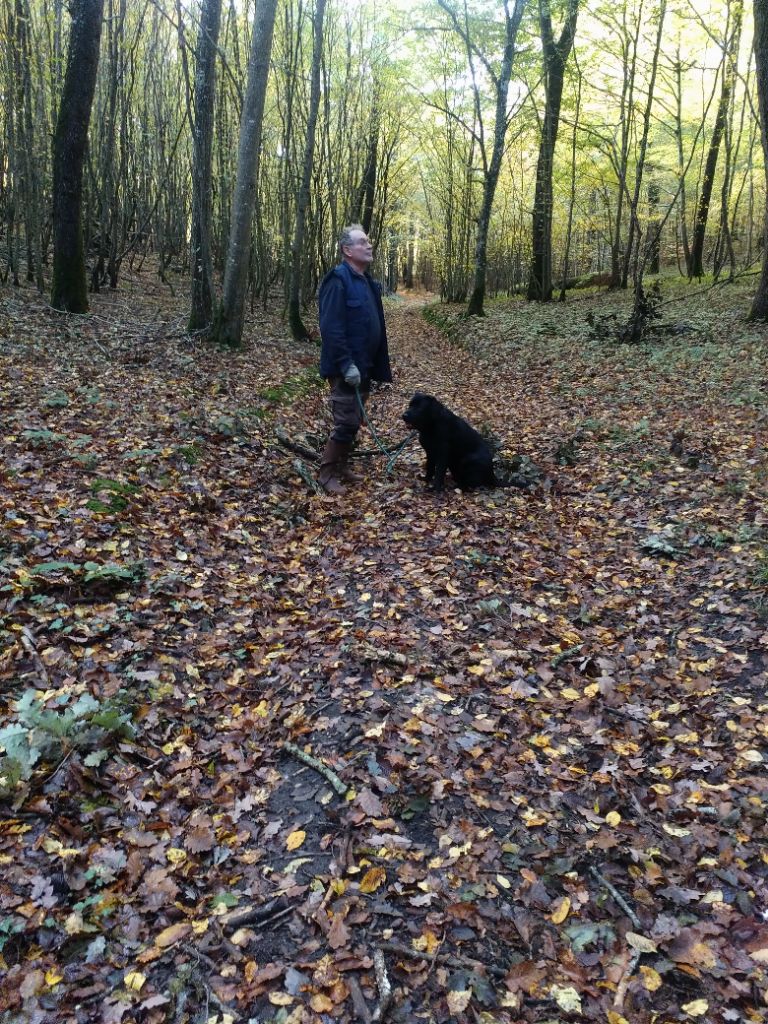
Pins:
x: 545, y: 708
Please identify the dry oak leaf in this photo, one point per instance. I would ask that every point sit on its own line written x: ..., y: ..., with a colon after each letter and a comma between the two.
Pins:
x: 370, y: 803
x: 459, y: 1001
x: 695, y: 1009
x: 174, y: 933
x: 561, y: 911
x: 641, y: 943
x: 295, y: 839
x: 372, y: 879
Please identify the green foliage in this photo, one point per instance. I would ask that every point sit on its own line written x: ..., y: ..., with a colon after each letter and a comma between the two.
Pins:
x: 118, y: 492
x: 88, y: 574
x: 294, y: 387
x: 37, y: 735
x: 43, y: 438
x: 57, y: 400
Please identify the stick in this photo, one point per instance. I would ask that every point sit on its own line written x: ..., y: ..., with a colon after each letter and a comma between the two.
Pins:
x: 297, y: 449
x: 28, y: 643
x: 441, y: 958
x: 617, y: 897
x: 358, y: 1000
x: 307, y: 477
x: 323, y: 769
x: 385, y: 987
x: 621, y: 991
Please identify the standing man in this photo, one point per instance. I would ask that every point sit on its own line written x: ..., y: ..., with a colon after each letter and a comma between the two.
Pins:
x: 354, y: 349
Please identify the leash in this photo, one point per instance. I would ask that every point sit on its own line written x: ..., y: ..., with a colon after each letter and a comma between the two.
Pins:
x: 392, y: 453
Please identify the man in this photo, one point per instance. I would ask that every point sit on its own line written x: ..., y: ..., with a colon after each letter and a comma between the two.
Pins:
x: 353, y: 351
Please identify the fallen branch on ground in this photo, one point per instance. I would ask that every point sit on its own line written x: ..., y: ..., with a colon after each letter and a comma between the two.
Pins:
x: 340, y: 787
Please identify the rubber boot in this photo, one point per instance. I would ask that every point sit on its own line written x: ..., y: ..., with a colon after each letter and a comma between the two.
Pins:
x: 348, y: 475
x: 332, y: 463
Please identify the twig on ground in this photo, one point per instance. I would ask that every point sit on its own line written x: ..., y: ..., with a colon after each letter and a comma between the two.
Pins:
x: 385, y: 987
x: 28, y: 643
x: 340, y: 787
x: 442, y: 958
x: 249, y: 915
x: 358, y: 1000
x: 297, y: 449
x: 307, y: 477
x: 621, y: 989
x: 617, y: 897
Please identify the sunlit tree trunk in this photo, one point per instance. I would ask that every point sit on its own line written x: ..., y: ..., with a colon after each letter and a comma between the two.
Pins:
x: 554, y: 58
x: 730, y: 52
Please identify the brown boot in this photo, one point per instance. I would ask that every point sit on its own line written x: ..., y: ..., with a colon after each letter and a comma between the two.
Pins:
x: 332, y: 464
x: 348, y: 475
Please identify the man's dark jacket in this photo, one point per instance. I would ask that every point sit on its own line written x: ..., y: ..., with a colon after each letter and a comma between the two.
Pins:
x: 346, y: 309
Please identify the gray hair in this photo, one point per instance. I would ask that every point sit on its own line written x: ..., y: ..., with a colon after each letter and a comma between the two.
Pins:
x: 345, y: 238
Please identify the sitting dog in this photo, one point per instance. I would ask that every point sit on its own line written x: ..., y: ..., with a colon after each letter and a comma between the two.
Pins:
x: 450, y: 443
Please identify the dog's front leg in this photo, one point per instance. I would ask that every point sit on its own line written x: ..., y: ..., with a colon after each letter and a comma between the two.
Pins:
x: 440, y: 466
x: 429, y: 469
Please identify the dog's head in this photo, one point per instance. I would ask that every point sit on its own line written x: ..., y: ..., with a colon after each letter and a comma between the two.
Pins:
x: 422, y: 410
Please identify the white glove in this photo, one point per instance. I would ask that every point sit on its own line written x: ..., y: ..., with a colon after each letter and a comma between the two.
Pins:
x: 352, y: 376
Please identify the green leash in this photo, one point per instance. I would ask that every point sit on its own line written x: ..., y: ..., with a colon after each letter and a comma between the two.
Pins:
x: 393, y: 453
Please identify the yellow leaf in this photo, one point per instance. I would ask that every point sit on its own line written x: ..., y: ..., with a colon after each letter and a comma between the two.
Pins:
x: 175, y: 855
x: 641, y: 943
x: 52, y: 977
x: 695, y: 1009
x: 134, y: 981
x: 592, y: 690
x: 567, y: 999
x: 476, y: 670
x: 174, y: 933
x: 200, y: 927
x: 503, y: 882
x: 570, y: 694
x: 562, y: 910
x: 459, y: 1001
x: 372, y: 879
x: 426, y: 943
x: 613, y: 818
x: 751, y: 756
x: 320, y: 1003
x: 713, y: 896
x: 280, y: 999
x: 295, y: 839
x: 616, y: 1018
x: 651, y: 978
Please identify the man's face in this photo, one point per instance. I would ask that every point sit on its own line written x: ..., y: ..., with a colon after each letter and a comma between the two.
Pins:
x: 359, y: 249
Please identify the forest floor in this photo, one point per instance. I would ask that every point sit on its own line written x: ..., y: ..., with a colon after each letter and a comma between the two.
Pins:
x: 541, y: 712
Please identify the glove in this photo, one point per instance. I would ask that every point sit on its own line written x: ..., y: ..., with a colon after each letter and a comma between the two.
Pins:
x: 352, y: 376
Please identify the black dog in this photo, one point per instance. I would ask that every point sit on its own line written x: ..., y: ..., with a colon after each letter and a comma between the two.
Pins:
x: 450, y: 443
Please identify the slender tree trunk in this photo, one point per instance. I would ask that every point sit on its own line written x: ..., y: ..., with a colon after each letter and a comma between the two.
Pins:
x: 229, y: 325
x: 634, y: 223
x: 555, y: 56
x: 201, y: 312
x: 681, y: 160
x: 729, y: 74
x: 759, y: 310
x: 302, y: 205
x: 572, y: 196
x: 69, y: 289
x: 512, y: 23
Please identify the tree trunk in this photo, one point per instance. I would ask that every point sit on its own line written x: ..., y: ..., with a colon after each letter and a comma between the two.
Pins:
x: 201, y: 312
x: 302, y: 204
x: 634, y: 224
x: 69, y: 288
x: 729, y: 73
x: 229, y: 326
x: 554, y: 56
x: 512, y: 23
x: 759, y: 310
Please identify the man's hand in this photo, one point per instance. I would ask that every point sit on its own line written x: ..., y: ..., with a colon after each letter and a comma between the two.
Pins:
x: 352, y: 376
